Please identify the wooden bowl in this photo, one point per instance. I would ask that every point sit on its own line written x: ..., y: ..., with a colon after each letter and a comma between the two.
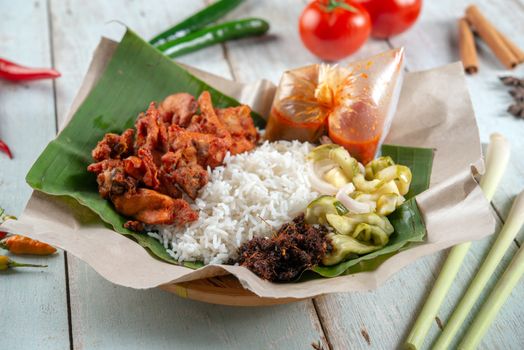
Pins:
x: 222, y: 290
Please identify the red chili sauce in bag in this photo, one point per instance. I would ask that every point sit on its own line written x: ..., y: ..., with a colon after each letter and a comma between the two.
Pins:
x: 357, y: 130
x: 296, y: 114
x: 354, y: 105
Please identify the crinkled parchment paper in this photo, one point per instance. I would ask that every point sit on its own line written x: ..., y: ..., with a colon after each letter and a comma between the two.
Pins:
x: 434, y: 111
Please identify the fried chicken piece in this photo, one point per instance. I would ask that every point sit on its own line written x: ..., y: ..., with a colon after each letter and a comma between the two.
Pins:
x: 143, y: 168
x: 151, y: 133
x: 153, y: 208
x: 180, y: 167
x: 207, y: 121
x: 206, y: 149
x: 134, y: 225
x: 170, y: 160
x: 234, y: 125
x: 112, y: 178
x: 178, y: 109
x: 114, y: 146
x: 103, y: 165
x: 191, y: 179
x: 168, y: 184
x: 144, y: 172
x: 238, y: 122
x: 210, y: 151
x: 134, y: 166
x: 151, y: 176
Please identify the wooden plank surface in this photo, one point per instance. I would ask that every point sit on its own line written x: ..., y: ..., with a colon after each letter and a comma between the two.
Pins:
x: 436, y: 32
x: 33, y: 301
x: 392, y: 308
x: 386, y: 314
x: 107, y: 316
x: 345, y: 329
x: 78, y: 26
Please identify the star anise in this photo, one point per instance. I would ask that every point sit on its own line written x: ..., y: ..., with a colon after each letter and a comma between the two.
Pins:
x: 512, y: 81
x: 516, y: 109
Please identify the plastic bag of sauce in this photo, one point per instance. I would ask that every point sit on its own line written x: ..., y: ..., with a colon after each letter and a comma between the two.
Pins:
x: 353, y: 104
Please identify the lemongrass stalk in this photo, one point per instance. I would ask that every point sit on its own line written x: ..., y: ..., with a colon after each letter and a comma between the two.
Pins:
x: 496, y: 161
x: 436, y: 296
x: 496, y: 299
x: 510, y: 229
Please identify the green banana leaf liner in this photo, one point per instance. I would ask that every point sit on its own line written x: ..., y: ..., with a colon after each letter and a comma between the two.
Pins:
x: 138, y: 74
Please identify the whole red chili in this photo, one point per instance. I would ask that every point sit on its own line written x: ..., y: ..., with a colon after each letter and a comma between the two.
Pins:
x: 15, y: 72
x: 4, y: 148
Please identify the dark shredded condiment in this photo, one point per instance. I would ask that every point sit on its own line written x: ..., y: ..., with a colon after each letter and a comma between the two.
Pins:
x: 295, y: 247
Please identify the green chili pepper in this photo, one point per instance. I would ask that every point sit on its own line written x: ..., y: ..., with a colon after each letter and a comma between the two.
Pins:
x: 214, y: 35
x: 6, y: 263
x: 199, y: 20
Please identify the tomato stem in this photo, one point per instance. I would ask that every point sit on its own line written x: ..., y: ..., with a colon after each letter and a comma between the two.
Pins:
x: 335, y: 4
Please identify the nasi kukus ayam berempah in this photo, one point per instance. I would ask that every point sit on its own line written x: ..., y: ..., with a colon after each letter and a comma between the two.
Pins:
x: 308, y: 191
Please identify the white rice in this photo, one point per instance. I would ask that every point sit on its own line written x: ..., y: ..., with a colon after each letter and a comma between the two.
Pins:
x: 253, y: 194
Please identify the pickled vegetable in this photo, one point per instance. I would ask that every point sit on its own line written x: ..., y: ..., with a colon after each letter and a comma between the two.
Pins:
x: 316, y: 210
x: 370, y: 233
x: 353, y: 233
x: 336, y: 177
x: 378, y: 187
x: 346, y: 224
x: 367, y: 193
x: 377, y: 164
x: 344, y: 246
x: 339, y: 156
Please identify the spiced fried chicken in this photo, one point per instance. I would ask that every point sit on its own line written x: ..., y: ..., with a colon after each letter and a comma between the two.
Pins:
x: 145, y: 171
x: 178, y: 109
x: 150, y: 207
x: 238, y: 122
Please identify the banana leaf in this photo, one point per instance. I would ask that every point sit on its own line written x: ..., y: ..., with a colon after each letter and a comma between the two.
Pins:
x: 407, y: 220
x: 419, y: 161
x: 136, y: 75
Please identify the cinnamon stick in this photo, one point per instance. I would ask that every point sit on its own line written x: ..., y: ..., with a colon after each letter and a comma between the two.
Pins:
x: 489, y: 34
x: 515, y: 50
x: 468, y: 52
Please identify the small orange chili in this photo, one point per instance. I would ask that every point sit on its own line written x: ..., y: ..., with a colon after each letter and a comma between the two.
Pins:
x: 21, y: 245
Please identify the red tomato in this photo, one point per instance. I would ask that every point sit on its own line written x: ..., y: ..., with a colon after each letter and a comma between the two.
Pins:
x: 391, y: 17
x: 334, y: 29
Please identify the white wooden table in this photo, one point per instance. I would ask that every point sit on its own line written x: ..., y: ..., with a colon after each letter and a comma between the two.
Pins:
x: 69, y: 306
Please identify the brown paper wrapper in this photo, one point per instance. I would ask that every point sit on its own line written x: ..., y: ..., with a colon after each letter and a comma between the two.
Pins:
x: 434, y: 111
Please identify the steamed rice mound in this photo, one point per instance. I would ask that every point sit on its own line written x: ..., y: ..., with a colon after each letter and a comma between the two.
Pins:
x: 252, y: 194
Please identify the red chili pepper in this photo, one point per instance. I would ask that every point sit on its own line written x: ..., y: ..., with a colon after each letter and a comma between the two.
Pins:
x: 15, y: 72
x: 3, y: 234
x: 4, y: 148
